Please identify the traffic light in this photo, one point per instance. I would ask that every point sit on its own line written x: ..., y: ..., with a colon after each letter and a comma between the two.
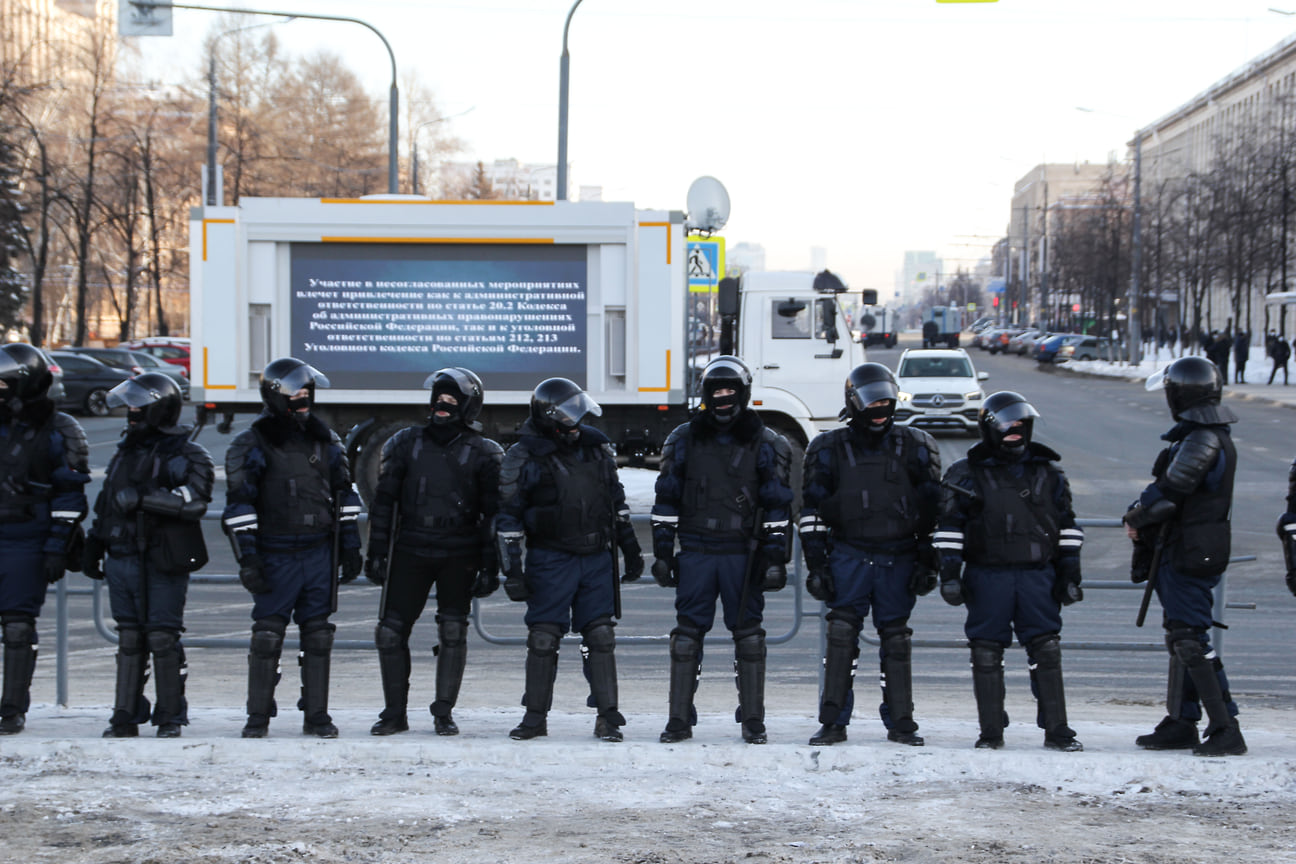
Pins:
x: 994, y: 301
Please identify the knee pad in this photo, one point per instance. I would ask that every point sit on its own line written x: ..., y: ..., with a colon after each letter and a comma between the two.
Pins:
x: 599, y: 636
x: 18, y: 629
x: 452, y: 629
x: 986, y: 654
x: 844, y: 633
x: 130, y: 640
x: 268, y: 637
x: 845, y: 616
x: 1189, y: 648
x: 895, y: 641
x: 1046, y: 651
x: 317, y: 636
x: 749, y: 644
x: 685, y: 644
x: 162, y: 641
x: 390, y: 635
x: 544, y: 639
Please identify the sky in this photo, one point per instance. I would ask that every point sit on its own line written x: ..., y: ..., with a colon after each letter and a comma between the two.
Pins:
x: 866, y: 127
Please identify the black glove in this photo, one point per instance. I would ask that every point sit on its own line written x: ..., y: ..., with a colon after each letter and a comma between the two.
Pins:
x: 352, y: 564
x: 1066, y: 582
x: 634, y: 567
x: 666, y: 571
x: 127, y: 500
x: 926, y: 565
x: 952, y: 591
x: 92, y: 557
x: 55, y: 566
x: 487, y: 581
x: 1140, y: 563
x: 774, y: 548
x: 773, y: 577
x: 819, y: 582
x: 252, y: 574
x: 376, y: 569
x: 515, y: 581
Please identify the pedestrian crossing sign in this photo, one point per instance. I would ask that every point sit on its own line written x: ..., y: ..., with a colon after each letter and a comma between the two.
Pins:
x: 706, y: 262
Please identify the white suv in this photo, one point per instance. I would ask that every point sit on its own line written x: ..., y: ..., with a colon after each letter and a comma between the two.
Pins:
x: 939, y: 389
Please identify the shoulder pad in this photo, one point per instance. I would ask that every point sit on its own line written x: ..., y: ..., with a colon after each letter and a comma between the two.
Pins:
x: 608, y: 450
x: 75, y: 448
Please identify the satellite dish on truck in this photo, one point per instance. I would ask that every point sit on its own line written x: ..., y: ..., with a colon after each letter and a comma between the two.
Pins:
x: 708, y: 205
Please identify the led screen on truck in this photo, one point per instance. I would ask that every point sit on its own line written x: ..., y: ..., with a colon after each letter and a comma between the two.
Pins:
x: 385, y: 315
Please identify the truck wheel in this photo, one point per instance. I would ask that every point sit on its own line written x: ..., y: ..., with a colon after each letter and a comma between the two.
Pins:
x: 367, y: 457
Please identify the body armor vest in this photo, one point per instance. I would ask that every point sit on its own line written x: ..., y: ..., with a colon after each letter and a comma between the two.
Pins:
x: 24, y: 458
x: 1017, y: 524
x: 1200, y: 538
x: 136, y: 468
x: 438, y: 497
x: 721, y: 485
x: 580, y: 522
x: 294, y: 497
x: 875, y: 499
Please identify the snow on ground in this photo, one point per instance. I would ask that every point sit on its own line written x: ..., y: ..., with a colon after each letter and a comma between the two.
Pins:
x: 70, y: 797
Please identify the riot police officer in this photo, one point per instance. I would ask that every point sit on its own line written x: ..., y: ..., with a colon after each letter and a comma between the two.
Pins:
x: 559, y: 491
x: 288, y: 505
x: 1185, y: 511
x: 868, y: 507
x: 435, y: 505
x: 44, y: 466
x: 1287, y: 530
x: 1010, y: 549
x: 156, y: 490
x: 724, y: 492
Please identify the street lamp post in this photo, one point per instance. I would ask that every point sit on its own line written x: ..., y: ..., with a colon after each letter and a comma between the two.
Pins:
x: 564, y: 78
x: 393, y: 151
x: 1135, y: 310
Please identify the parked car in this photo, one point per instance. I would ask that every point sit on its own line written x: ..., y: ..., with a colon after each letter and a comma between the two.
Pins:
x: 939, y: 389
x: 136, y: 363
x: 1020, y: 344
x: 1074, y: 346
x: 1000, y: 340
x: 86, y: 382
x: 169, y: 349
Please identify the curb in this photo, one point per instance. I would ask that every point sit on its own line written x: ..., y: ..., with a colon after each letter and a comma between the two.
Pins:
x: 1228, y: 392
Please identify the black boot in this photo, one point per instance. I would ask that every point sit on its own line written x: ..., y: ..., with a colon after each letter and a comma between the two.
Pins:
x: 263, y: 675
x: 452, y: 657
x: 840, y: 660
x: 19, y: 638
x: 1046, y: 675
x: 828, y: 734
x: 749, y: 670
x: 316, y: 652
x: 392, y: 640
x: 599, y: 650
x: 541, y: 669
x: 1222, y: 737
x: 897, y: 686
x: 988, y: 687
x: 685, y: 670
x: 170, y: 671
x: 130, y: 707
x: 1173, y: 732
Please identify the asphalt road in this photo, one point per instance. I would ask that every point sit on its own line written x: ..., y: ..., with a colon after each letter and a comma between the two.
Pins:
x: 1108, y: 434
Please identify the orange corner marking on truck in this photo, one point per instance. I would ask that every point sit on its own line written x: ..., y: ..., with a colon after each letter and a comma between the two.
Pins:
x: 668, y: 379
x: 207, y: 386
x: 207, y: 222
x: 665, y: 225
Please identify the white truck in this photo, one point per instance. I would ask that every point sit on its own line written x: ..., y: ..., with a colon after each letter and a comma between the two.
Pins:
x: 948, y: 324
x: 877, y: 325
x: 379, y: 292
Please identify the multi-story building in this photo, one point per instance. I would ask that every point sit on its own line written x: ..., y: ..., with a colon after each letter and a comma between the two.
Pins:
x: 35, y: 35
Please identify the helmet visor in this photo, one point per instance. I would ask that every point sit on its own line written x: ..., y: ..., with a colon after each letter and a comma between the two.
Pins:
x: 298, y: 378
x: 1004, y: 418
x: 456, y: 375
x: 569, y: 413
x: 9, y: 367
x: 1156, y: 381
x: 862, y: 396
x: 132, y: 394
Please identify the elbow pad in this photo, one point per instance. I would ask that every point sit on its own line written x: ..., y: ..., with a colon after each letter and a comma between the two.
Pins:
x: 1191, y: 463
x: 173, y: 505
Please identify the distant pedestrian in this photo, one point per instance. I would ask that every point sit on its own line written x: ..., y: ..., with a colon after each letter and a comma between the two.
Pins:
x: 1217, y: 351
x: 1241, y: 351
x: 1281, y: 354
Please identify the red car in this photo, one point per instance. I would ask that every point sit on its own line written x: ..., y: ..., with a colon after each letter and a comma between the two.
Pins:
x: 170, y: 349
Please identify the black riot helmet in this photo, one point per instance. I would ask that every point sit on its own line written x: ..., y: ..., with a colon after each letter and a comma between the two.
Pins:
x: 726, y: 372
x: 557, y: 407
x: 25, y: 374
x: 1193, y: 387
x: 868, y: 383
x: 998, y: 413
x: 464, y: 385
x: 152, y: 399
x: 284, y: 377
